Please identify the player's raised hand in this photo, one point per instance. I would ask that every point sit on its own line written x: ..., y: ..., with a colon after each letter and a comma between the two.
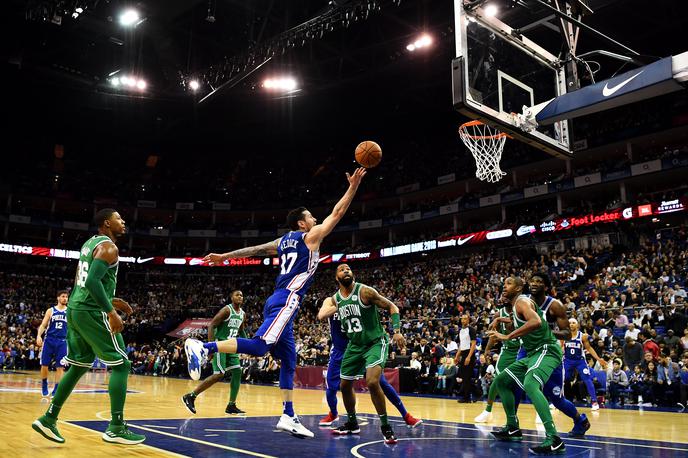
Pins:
x: 355, y: 179
x: 214, y: 259
x: 122, y: 305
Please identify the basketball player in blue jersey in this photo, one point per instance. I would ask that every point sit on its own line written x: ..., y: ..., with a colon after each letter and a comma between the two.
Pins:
x: 574, y: 359
x: 298, y: 251
x: 54, y: 348
x: 339, y: 343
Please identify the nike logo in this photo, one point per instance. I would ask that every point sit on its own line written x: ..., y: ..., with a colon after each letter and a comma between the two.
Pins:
x: 511, y: 433
x: 558, y: 446
x: 141, y: 260
x: 460, y: 241
x: 607, y: 91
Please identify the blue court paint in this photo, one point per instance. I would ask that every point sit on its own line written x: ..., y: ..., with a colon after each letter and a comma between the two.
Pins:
x: 195, y: 437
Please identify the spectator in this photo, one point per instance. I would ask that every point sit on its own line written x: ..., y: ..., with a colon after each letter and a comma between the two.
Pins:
x: 684, y: 340
x: 671, y: 341
x: 632, y: 332
x: 632, y: 353
x: 415, y: 363
x: 683, y: 375
x: 667, y: 376
x: 616, y: 382
x: 649, y: 345
x: 621, y: 320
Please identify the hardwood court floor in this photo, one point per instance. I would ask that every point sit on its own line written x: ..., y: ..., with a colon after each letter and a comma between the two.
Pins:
x: 159, y: 398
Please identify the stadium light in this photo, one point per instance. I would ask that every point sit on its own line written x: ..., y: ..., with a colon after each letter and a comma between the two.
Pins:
x: 491, y: 10
x: 280, y: 84
x: 129, y: 18
x: 194, y: 85
x: 423, y: 41
x: 141, y: 84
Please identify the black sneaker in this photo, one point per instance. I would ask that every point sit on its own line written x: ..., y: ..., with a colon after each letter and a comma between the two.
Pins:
x: 508, y: 433
x: 232, y: 409
x: 388, y: 434
x: 349, y: 427
x: 189, y: 400
x: 552, y: 445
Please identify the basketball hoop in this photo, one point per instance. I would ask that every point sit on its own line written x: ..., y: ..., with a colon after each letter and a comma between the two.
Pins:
x: 486, y: 144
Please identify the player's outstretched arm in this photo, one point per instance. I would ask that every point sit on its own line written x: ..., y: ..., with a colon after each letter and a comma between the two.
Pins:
x: 591, y: 351
x: 318, y: 232
x: 265, y: 249
x: 371, y: 296
x: 328, y: 308
x: 219, y: 317
x: 43, y: 326
x: 556, y: 308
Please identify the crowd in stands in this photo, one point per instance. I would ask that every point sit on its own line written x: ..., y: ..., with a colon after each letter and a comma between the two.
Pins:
x: 630, y: 302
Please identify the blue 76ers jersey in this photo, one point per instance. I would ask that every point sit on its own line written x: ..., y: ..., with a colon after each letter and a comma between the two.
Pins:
x: 339, y: 339
x: 574, y: 347
x: 57, y: 329
x: 297, y: 263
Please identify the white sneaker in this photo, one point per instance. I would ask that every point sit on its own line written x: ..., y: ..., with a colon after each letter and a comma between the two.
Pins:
x: 538, y: 420
x: 595, y: 406
x: 196, y: 357
x: 293, y: 425
x: 484, y: 417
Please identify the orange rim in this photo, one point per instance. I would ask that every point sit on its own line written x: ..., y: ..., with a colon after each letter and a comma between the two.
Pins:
x: 475, y: 122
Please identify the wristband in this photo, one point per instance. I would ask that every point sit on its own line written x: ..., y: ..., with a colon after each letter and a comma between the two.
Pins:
x: 395, y: 321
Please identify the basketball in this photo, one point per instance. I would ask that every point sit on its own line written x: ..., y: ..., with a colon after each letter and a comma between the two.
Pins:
x: 368, y: 154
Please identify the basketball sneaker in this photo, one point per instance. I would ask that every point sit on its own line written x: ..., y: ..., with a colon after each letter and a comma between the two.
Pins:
x: 411, y: 421
x: 293, y: 425
x: 508, y: 433
x: 388, y: 434
x: 44, y: 388
x: 47, y: 428
x: 595, y: 406
x: 120, y: 434
x: 484, y: 417
x: 196, y: 357
x: 580, y: 426
x: 350, y: 427
x: 232, y: 409
x: 189, y: 401
x: 52, y: 394
x: 328, y: 420
x: 552, y: 445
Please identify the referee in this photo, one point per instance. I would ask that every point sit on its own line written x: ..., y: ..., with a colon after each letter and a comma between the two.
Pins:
x: 465, y: 358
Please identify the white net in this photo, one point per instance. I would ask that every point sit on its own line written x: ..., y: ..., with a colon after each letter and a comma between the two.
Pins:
x: 486, y: 144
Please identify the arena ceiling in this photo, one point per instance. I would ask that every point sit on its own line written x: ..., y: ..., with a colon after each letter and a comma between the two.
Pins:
x: 357, y: 81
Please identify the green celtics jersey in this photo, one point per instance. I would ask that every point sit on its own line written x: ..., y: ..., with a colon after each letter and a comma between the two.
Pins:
x: 513, y: 344
x: 81, y: 299
x: 541, y: 336
x: 230, y: 327
x: 360, y: 322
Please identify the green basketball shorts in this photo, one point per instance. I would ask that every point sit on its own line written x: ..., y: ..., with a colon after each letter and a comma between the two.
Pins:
x: 358, y: 358
x: 539, y: 365
x: 88, y: 336
x: 223, y: 362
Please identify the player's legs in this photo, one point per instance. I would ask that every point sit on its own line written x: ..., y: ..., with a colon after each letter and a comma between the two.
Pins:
x: 219, y: 367
x: 353, y: 365
x: 61, y: 353
x: 332, y: 383
x: 586, y: 376
x: 46, y: 356
x: 234, y: 368
x: 506, y: 358
x: 375, y: 359
x: 554, y: 392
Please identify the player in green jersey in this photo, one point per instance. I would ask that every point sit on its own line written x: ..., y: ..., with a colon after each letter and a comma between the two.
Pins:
x: 532, y: 372
x: 366, y: 353
x: 507, y: 356
x: 95, y: 330
x: 228, y: 322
